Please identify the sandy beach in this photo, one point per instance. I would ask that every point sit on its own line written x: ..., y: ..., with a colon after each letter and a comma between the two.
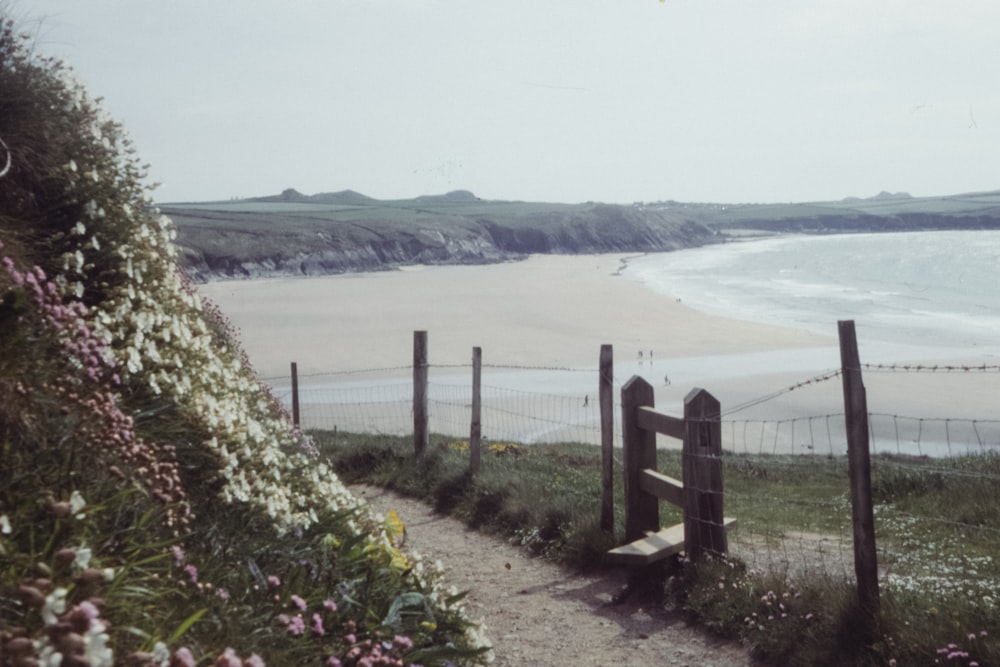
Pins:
x: 557, y: 311
x: 548, y: 310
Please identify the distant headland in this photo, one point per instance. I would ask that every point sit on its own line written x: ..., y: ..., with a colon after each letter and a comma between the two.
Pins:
x: 293, y: 234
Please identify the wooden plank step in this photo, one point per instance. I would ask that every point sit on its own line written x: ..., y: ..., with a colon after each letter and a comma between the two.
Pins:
x: 655, y: 546
x: 662, y: 486
x: 650, y: 549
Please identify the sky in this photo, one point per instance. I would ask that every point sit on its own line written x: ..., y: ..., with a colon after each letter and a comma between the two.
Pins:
x: 544, y: 100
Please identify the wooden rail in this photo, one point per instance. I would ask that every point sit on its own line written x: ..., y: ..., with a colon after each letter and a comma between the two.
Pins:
x: 700, y: 493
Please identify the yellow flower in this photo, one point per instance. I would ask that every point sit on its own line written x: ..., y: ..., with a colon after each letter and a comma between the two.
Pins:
x: 399, y: 561
x: 394, y: 528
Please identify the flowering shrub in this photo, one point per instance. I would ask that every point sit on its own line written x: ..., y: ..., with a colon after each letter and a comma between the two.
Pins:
x: 147, y: 481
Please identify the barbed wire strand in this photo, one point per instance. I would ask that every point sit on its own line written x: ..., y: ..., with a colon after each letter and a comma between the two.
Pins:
x: 829, y: 375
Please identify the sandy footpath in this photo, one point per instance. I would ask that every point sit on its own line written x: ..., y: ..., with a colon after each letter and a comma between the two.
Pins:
x: 537, y: 613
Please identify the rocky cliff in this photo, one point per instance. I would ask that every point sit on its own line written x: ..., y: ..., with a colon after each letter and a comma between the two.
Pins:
x: 285, y: 238
x: 292, y: 234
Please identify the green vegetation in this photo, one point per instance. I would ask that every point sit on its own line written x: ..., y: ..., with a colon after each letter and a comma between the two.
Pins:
x: 156, y: 506
x: 296, y: 234
x: 937, y: 529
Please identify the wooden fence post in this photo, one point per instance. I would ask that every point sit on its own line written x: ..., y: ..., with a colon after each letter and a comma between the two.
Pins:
x: 859, y: 469
x: 476, y: 428
x: 606, y: 398
x: 642, y: 509
x: 419, y: 392
x: 701, y: 464
x: 296, y: 422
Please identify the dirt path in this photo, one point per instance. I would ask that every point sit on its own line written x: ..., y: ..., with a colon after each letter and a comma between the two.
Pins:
x: 537, y: 613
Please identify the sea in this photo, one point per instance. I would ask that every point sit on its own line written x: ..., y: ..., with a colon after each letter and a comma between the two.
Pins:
x: 915, y: 297
x: 928, y: 293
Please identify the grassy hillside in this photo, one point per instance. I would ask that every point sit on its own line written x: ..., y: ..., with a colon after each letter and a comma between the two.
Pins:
x: 156, y: 506
x: 292, y: 234
x: 296, y: 234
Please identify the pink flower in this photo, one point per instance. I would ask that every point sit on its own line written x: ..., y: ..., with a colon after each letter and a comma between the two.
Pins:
x: 178, y: 555
x: 228, y: 659
x: 329, y: 605
x: 192, y: 572
x: 317, y: 626
x: 334, y: 662
x: 296, y: 626
x: 254, y: 661
x: 90, y: 610
x: 182, y: 658
x: 299, y: 602
x: 273, y: 581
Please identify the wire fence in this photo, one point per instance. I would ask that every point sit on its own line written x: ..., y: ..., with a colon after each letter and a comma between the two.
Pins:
x: 381, y: 401
x: 786, y: 480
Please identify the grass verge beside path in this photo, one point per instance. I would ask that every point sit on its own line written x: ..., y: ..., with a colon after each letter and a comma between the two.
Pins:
x: 936, y: 531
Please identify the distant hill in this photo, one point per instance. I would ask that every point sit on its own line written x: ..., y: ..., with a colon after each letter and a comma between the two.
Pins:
x: 296, y: 234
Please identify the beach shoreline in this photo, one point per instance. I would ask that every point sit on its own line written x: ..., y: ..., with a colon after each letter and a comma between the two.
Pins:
x: 554, y: 312
x: 546, y: 310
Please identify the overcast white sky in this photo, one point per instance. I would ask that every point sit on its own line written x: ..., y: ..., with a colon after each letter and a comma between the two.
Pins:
x: 546, y: 100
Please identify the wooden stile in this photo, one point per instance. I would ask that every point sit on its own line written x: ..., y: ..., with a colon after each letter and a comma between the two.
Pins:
x: 699, y: 494
x: 642, y: 511
x: 701, y: 461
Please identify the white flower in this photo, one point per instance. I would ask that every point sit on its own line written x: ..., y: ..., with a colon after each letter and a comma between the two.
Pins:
x: 83, y: 556
x: 4, y: 525
x: 161, y: 654
x: 55, y: 604
x: 76, y: 504
x: 97, y: 652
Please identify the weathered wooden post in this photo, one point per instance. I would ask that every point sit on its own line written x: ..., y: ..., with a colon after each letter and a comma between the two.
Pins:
x: 296, y: 422
x: 859, y: 469
x: 701, y: 464
x: 419, y: 392
x: 642, y: 509
x: 605, y: 394
x: 476, y: 428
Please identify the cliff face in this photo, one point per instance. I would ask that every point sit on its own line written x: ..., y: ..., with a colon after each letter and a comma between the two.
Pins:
x: 252, y: 244
x: 292, y: 234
